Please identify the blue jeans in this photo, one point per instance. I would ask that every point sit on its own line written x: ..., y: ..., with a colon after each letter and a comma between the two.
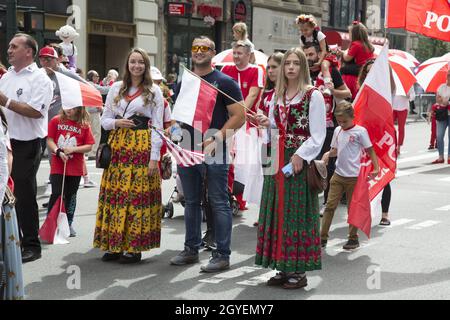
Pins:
x: 441, y: 126
x: 192, y: 182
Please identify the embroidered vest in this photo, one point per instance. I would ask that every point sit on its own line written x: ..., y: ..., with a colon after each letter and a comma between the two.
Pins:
x: 295, y: 121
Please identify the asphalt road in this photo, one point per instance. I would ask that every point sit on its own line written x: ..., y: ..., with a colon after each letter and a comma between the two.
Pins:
x: 408, y: 260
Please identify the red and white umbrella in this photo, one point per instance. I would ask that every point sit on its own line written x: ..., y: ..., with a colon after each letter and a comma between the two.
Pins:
x: 431, y: 76
x: 444, y: 58
x: 412, y: 62
x: 226, y: 58
x: 404, y: 77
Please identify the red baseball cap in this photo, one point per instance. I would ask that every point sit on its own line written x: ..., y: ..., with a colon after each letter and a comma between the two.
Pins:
x: 48, y: 52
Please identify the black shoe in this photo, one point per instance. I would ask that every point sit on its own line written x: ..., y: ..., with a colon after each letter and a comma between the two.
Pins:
x: 109, y: 256
x: 323, y: 243
x: 29, y: 255
x: 128, y: 258
x: 351, y: 244
x: 208, y: 241
x: 412, y: 112
x: 45, y: 205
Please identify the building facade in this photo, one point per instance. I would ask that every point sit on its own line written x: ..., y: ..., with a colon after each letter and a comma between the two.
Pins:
x: 165, y: 28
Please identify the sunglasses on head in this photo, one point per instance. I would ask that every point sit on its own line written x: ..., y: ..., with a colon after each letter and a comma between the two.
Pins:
x: 202, y: 49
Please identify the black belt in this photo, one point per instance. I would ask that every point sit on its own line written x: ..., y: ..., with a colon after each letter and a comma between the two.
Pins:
x: 141, y: 122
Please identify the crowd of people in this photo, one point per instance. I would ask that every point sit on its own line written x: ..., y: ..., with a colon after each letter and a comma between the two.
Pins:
x: 306, y: 95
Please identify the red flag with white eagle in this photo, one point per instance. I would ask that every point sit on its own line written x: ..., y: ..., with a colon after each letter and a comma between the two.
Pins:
x: 373, y: 110
x: 75, y: 93
x: 195, y: 102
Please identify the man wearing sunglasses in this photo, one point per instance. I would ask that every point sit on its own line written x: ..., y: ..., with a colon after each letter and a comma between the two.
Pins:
x: 228, y: 116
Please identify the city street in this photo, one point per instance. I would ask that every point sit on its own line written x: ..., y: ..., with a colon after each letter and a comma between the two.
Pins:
x: 407, y: 260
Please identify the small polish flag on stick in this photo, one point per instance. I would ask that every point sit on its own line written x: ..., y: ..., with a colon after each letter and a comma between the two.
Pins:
x: 77, y: 94
x: 183, y: 157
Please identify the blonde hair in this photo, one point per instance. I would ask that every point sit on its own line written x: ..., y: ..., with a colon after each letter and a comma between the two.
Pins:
x: 146, y: 82
x: 81, y: 116
x: 344, y: 109
x: 241, y: 29
x: 306, y: 19
x: 304, y: 78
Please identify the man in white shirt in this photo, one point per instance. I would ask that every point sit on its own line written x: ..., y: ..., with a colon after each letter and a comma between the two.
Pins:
x: 25, y: 95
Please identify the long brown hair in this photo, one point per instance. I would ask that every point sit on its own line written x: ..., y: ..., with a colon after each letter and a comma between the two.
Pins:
x: 277, y: 57
x: 81, y: 116
x: 146, y: 82
x: 359, y: 32
x: 304, y: 82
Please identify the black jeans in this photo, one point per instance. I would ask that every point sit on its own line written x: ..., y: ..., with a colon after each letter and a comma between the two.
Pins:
x: 71, y: 185
x: 27, y: 156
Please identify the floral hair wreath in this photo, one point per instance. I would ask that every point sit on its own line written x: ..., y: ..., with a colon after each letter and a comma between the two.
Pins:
x: 305, y: 18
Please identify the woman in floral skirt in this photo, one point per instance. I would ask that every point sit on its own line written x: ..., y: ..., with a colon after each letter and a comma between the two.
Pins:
x: 128, y: 216
x: 289, y: 221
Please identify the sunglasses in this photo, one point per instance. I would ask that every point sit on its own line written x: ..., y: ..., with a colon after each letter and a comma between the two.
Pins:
x: 66, y: 63
x: 202, y: 49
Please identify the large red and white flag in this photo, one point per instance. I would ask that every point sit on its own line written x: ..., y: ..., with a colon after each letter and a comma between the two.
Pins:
x: 195, y: 102
x: 183, y: 157
x: 427, y: 17
x: 373, y: 110
x: 77, y: 94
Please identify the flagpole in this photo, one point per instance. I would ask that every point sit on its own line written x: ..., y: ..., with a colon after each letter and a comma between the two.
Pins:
x: 226, y: 95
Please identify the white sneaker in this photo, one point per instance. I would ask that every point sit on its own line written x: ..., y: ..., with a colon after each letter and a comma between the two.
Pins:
x: 48, y: 190
x: 89, y: 184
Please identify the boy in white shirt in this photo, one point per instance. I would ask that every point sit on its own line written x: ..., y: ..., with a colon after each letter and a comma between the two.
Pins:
x: 348, y: 142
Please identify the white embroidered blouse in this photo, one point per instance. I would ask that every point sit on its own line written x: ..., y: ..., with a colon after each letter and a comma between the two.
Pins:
x: 154, y: 110
x: 4, y: 174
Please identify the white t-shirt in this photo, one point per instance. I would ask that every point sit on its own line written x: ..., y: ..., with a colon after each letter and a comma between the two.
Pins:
x: 320, y: 36
x: 349, y: 144
x: 444, y: 91
x: 32, y: 86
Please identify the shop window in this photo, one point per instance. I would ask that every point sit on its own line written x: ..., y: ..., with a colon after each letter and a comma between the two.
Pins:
x: 55, y: 7
x: 101, y: 9
x: 344, y: 12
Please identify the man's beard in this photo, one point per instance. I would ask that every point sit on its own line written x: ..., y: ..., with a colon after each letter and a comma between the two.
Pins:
x: 204, y: 64
x: 311, y: 63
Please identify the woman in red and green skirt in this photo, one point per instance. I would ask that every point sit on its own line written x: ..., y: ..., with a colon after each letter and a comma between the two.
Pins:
x: 289, y: 220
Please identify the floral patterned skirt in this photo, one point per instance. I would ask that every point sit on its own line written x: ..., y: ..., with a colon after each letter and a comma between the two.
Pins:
x: 129, y: 208
x: 300, y: 243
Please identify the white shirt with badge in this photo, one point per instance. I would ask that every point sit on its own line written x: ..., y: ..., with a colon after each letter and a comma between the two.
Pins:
x: 32, y: 86
x: 349, y: 144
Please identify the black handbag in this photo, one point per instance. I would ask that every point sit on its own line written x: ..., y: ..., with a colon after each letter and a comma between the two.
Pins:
x: 441, y: 114
x: 104, y: 153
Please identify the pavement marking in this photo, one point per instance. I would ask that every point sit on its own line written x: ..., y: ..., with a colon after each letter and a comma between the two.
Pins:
x: 425, y: 168
x: 444, y: 208
x: 335, y: 242
x: 422, y: 225
x: 445, y: 179
x: 395, y: 223
x: 414, y: 158
x: 255, y: 281
x: 230, y: 275
x: 362, y: 245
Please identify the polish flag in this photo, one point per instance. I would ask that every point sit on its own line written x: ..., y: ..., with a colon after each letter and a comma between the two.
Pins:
x: 373, y: 110
x: 195, y: 102
x: 184, y: 158
x: 77, y: 94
